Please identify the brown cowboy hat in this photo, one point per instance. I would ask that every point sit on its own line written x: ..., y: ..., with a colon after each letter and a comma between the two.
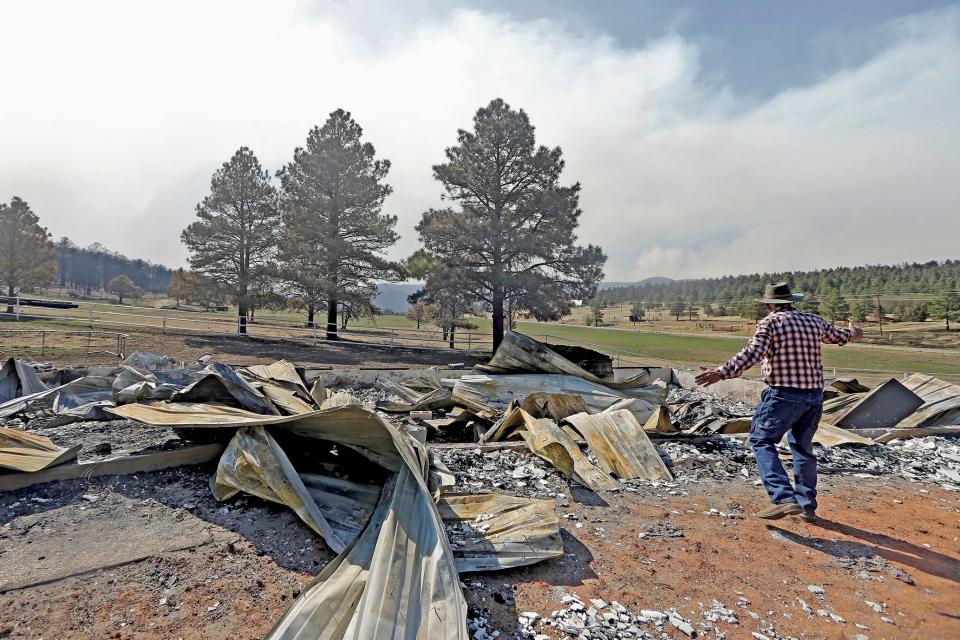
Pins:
x: 779, y: 293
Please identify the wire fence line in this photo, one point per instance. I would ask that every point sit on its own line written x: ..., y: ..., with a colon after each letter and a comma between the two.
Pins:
x: 94, y: 314
x: 86, y: 341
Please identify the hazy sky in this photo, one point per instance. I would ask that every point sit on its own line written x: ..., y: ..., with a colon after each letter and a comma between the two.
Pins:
x: 719, y: 137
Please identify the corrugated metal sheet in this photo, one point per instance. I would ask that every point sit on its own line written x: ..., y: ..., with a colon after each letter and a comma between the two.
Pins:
x: 620, y: 445
x: 398, y: 579
x: 548, y: 441
x: 22, y: 451
x: 492, y: 531
x: 486, y: 395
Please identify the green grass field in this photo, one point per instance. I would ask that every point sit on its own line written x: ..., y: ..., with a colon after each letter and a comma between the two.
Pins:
x: 655, y: 348
x: 702, y: 350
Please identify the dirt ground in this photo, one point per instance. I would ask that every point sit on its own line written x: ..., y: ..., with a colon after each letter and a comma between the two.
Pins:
x: 155, y: 556
x: 232, y: 350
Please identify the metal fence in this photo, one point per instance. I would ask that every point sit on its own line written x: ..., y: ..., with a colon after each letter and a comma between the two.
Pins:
x: 103, y: 314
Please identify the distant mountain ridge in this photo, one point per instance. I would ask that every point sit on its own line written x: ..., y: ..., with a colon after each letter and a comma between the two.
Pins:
x: 392, y: 296
x: 639, y: 283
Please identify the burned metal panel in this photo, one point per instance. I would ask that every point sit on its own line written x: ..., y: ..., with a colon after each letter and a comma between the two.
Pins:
x: 22, y: 451
x: 399, y: 578
x: 486, y: 395
x: 254, y: 463
x: 941, y: 403
x: 620, y: 445
x: 18, y: 379
x: 491, y: 531
x: 547, y: 440
x: 519, y: 354
x: 830, y: 436
x: 883, y: 407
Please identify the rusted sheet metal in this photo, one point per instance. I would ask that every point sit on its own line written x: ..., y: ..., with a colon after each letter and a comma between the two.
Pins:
x: 941, y: 403
x: 830, y: 436
x: 414, y: 398
x: 486, y: 395
x: 519, y: 353
x: 883, y: 407
x: 548, y: 441
x: 398, y: 579
x: 556, y: 406
x: 620, y: 445
x: 660, y: 422
x: 254, y: 463
x: 835, y: 407
x: 492, y: 531
x: 849, y: 385
x: 22, y: 451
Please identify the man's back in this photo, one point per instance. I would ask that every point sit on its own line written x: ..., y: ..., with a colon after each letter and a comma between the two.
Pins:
x: 788, y: 342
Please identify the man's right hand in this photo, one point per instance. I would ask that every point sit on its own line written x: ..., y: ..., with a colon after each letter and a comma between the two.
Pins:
x: 707, y: 377
x: 855, y: 332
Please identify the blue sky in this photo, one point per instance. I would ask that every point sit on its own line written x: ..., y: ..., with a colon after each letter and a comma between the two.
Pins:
x: 709, y: 137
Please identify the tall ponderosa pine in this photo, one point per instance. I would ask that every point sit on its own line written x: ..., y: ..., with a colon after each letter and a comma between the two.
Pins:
x: 334, y: 230
x: 947, y: 306
x: 235, y: 239
x: 27, y: 256
x: 512, y: 236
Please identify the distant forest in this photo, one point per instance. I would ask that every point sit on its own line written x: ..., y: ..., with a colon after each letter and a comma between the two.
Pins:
x: 909, y: 278
x: 89, y: 268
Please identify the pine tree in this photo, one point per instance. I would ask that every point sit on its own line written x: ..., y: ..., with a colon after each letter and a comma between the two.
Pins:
x: 234, y: 241
x: 947, y: 307
x: 859, y: 312
x: 334, y: 231
x: 596, y: 313
x: 27, y: 256
x: 835, y: 306
x: 444, y: 290
x: 511, y: 238
x: 678, y: 308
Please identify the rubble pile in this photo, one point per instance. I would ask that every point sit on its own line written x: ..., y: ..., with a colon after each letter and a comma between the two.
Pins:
x: 930, y: 460
x: 509, y: 471
x: 597, y: 619
x: 694, y: 406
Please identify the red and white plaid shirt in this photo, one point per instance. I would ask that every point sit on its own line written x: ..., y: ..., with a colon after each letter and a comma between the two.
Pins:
x: 788, y: 342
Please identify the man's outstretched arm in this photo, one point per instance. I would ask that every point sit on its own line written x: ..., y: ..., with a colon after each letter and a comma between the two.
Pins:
x: 833, y: 335
x: 750, y: 355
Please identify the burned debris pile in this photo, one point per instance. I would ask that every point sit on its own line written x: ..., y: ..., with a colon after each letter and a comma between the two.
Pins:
x: 427, y: 475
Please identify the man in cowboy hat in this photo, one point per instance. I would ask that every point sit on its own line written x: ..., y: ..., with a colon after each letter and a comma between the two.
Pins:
x: 787, y: 341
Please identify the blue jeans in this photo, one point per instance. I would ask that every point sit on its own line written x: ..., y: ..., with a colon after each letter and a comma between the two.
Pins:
x: 796, y: 413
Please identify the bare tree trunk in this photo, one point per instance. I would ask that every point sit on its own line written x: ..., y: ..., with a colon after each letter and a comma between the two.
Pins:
x: 332, y: 319
x: 452, y: 343
x: 311, y: 312
x: 497, y: 318
x: 10, y: 302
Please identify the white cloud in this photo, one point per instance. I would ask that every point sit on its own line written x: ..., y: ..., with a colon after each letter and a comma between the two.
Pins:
x: 116, y: 114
